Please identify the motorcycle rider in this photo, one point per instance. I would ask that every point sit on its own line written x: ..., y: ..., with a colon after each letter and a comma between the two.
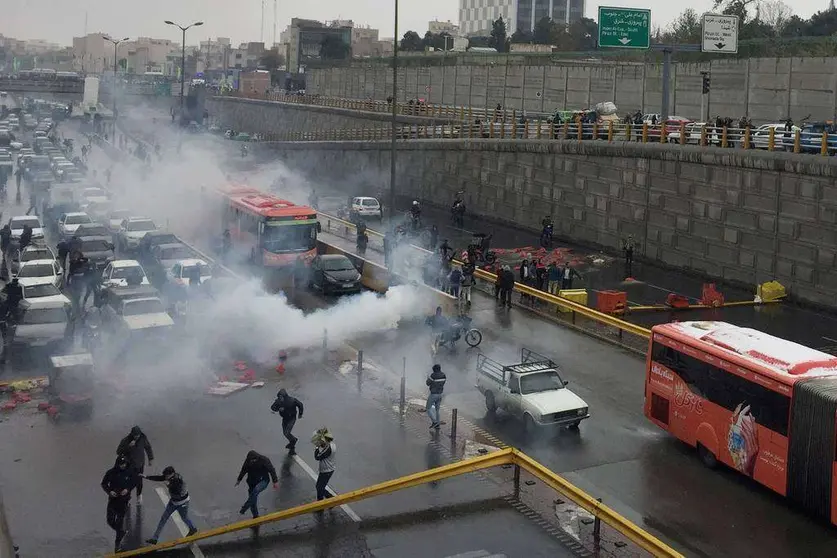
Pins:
x: 546, y: 231
x: 445, y: 250
x: 458, y: 210
x: 440, y: 326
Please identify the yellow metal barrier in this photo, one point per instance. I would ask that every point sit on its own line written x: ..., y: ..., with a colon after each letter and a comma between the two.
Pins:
x: 508, y: 456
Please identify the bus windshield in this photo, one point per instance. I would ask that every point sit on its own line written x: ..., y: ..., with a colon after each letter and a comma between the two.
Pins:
x: 290, y: 238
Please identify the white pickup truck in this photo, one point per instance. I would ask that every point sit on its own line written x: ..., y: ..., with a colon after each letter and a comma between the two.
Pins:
x: 531, y: 390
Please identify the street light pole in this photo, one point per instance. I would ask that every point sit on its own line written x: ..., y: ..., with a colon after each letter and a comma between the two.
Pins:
x: 183, y: 56
x: 115, y: 62
x: 393, y: 144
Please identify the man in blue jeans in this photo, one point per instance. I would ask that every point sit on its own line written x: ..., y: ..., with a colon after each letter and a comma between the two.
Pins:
x: 259, y: 471
x: 436, y: 384
x: 178, y: 501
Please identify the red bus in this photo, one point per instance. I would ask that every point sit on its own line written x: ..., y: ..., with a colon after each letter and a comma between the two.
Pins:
x: 275, y: 232
x: 762, y: 405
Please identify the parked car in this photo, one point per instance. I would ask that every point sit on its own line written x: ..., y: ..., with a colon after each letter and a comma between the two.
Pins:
x: 17, y: 256
x: 38, y: 272
x: 367, y: 207
x: 69, y: 222
x: 131, y: 232
x: 334, y: 274
x: 119, y: 273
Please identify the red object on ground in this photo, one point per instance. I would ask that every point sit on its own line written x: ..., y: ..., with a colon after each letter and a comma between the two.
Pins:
x: 678, y: 301
x: 9, y: 406
x: 280, y: 368
x: 248, y: 377
x: 611, y: 302
x: 240, y: 365
x: 710, y: 296
x: 43, y: 406
x: 52, y: 411
x: 22, y: 397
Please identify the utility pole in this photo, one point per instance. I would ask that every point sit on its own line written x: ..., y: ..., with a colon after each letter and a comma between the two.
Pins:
x: 276, y: 19
x: 394, y: 144
x: 183, y: 57
x: 261, y: 31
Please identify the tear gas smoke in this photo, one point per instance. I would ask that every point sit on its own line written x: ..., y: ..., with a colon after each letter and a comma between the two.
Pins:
x: 243, y: 319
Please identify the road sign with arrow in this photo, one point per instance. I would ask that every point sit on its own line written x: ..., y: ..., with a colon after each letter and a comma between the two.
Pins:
x: 624, y: 28
x: 720, y: 34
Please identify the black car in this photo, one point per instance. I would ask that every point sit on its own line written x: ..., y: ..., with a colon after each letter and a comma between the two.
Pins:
x: 333, y: 274
x: 97, y: 249
x: 153, y: 239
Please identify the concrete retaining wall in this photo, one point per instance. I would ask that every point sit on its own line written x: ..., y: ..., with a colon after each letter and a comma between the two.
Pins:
x: 742, y: 216
x: 765, y: 89
x: 255, y: 116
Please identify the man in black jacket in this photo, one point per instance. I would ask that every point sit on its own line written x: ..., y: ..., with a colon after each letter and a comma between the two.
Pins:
x: 287, y: 407
x: 135, y: 446
x: 436, y: 385
x: 117, y: 484
x: 259, y: 471
x: 178, y: 501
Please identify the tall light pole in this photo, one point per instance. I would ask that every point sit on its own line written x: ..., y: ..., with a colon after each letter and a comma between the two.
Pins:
x: 115, y: 63
x: 393, y: 145
x: 183, y: 56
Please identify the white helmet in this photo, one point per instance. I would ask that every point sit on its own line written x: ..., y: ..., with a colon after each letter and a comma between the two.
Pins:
x: 415, y: 202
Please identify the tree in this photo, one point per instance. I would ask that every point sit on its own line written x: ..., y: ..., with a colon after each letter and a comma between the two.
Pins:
x: 823, y: 24
x: 584, y: 34
x: 333, y: 48
x: 795, y: 26
x: 775, y: 13
x: 686, y: 28
x: 498, y: 35
x: 411, y: 42
x: 273, y: 62
x: 543, y: 32
x: 520, y: 36
x: 479, y: 42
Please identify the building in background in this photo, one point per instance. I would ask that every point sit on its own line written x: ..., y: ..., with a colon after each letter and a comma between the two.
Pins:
x: 477, y: 16
x: 215, y: 54
x: 438, y: 27
x: 246, y: 56
x: 94, y: 54
x: 257, y: 81
x: 306, y: 38
x: 146, y: 55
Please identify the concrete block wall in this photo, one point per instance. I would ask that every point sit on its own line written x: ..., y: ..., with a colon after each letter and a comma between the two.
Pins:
x: 255, y: 116
x: 765, y: 89
x: 745, y: 217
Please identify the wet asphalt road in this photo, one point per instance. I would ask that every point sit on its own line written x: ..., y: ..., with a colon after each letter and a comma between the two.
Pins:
x: 645, y: 474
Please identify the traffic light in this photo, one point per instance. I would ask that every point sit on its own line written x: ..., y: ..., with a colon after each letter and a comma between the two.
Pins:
x: 706, y: 82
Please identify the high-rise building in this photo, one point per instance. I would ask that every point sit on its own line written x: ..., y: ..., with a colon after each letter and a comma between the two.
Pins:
x: 437, y: 27
x: 477, y: 16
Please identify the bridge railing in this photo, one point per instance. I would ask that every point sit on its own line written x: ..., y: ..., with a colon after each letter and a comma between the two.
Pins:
x: 772, y: 139
x: 429, y: 110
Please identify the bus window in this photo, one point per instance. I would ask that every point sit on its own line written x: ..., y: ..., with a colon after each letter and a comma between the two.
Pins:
x: 725, y: 389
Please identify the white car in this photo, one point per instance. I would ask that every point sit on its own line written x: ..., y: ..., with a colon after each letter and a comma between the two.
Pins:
x: 69, y: 222
x: 760, y: 138
x: 43, y: 322
x: 367, y: 207
x: 16, y: 146
x: 93, y: 195
x: 180, y: 273
x: 45, y: 292
x: 40, y: 272
x: 532, y: 391
x: 17, y: 224
x: 132, y: 230
x: 117, y: 273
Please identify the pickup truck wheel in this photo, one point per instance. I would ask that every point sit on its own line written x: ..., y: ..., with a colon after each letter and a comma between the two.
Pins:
x: 574, y: 426
x: 707, y: 457
x: 490, y: 403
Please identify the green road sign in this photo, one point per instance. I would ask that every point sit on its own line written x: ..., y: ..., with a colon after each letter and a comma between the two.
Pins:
x: 624, y: 27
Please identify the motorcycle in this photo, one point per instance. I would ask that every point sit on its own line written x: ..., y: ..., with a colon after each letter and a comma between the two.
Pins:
x: 546, y: 236
x: 459, y: 327
x: 478, y: 252
x: 458, y: 214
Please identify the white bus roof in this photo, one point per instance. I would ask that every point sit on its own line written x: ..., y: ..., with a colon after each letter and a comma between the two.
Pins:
x: 782, y: 357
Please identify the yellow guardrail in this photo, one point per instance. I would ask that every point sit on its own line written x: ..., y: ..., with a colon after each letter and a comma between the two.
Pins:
x: 347, y: 229
x: 508, y: 456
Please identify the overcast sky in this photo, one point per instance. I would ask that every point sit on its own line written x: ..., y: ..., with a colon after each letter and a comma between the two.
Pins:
x: 61, y: 20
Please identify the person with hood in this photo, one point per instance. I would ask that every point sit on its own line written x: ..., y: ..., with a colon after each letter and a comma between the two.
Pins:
x: 135, y: 447
x: 325, y: 451
x: 259, y: 471
x: 506, y: 286
x: 436, y: 387
x: 287, y: 408
x: 178, y: 501
x: 117, y: 484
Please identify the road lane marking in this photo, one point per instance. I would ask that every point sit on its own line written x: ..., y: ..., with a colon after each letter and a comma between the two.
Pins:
x: 178, y: 522
x: 349, y: 511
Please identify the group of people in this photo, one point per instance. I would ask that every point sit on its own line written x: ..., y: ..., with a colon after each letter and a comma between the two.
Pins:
x: 128, y: 472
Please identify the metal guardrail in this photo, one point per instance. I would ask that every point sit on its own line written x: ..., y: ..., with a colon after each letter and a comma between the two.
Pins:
x: 347, y: 230
x: 705, y: 136
x: 429, y: 110
x: 508, y: 456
